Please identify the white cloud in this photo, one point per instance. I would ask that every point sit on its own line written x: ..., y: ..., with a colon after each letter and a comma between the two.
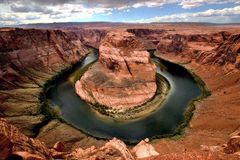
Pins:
x: 152, y: 3
x: 126, y: 10
x: 57, y: 13
x: 45, y: 11
x: 109, y: 13
x: 226, y: 15
x: 189, y: 4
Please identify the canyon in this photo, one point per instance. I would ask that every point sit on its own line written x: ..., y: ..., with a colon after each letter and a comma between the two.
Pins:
x: 29, y: 58
x: 124, y: 76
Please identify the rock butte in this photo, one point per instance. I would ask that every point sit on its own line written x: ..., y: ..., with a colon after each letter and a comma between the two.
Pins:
x: 124, y: 76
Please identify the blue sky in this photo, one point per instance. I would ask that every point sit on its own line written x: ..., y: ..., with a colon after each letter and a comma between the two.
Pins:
x: 14, y: 12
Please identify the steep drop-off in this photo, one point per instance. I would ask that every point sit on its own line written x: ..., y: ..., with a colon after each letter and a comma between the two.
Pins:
x: 214, y: 120
x: 29, y: 59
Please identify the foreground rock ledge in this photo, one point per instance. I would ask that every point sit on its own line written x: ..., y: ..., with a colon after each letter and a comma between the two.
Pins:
x: 124, y: 76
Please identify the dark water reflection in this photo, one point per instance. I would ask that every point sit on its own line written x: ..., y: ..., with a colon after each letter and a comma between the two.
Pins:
x: 164, y: 121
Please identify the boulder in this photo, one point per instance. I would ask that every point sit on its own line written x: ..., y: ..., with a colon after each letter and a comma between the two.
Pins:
x: 143, y: 149
x: 13, y: 142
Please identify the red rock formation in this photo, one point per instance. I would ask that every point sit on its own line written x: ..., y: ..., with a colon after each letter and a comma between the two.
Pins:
x: 221, y: 48
x: 123, y: 77
x: 59, y: 146
x: 28, y: 59
x: 228, y: 52
x: 13, y: 141
x: 24, y: 54
x: 143, y: 149
x: 14, y: 144
x: 121, y: 147
x: 91, y: 37
x: 233, y: 145
x: 115, y: 149
x: 195, y: 155
x: 5, y: 146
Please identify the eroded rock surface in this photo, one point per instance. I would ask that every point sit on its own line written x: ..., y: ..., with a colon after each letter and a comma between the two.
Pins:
x: 26, y: 65
x: 123, y: 77
x: 13, y: 141
x: 227, y: 53
x: 233, y: 145
x: 143, y: 149
x: 28, y: 59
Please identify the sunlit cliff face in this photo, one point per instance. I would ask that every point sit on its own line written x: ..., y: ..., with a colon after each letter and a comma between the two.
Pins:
x: 124, y: 76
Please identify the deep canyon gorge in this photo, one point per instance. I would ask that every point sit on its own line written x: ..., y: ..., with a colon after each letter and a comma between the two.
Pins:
x: 34, y: 62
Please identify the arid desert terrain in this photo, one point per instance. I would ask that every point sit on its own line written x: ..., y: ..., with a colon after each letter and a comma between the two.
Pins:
x: 33, y: 57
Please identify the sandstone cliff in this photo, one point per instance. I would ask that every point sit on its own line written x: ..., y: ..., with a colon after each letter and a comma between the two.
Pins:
x: 123, y: 77
x: 90, y: 37
x: 215, y: 48
x: 29, y: 58
x: 227, y: 53
x: 20, y: 85
x: 12, y: 141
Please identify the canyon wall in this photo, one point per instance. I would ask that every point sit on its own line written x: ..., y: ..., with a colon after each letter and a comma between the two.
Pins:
x: 217, y: 47
x: 90, y: 37
x: 30, y: 57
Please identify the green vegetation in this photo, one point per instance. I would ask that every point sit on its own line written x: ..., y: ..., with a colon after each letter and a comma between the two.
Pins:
x: 51, y: 113
x: 45, y: 108
x: 205, y: 92
x: 141, y: 111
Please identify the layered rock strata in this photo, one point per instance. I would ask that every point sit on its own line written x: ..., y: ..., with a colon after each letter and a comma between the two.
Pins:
x: 227, y: 53
x: 216, y: 118
x: 28, y: 59
x: 15, y: 145
x: 13, y: 141
x: 124, y: 76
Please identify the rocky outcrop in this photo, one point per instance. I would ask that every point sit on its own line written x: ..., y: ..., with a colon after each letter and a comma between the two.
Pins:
x: 173, y: 44
x: 13, y: 141
x: 14, y: 144
x: 233, y: 145
x: 91, y: 37
x: 195, y: 155
x: 220, y: 48
x: 29, y: 57
x: 114, y: 149
x: 228, y: 52
x: 123, y: 77
x: 143, y: 149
